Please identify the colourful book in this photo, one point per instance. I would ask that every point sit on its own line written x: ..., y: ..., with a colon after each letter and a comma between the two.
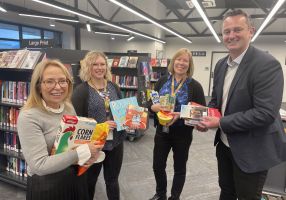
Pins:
x: 132, y: 62
x: 136, y: 117
x: 118, y: 109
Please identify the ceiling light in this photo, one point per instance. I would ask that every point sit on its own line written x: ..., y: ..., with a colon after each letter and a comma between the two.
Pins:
x: 88, y: 27
x: 47, y: 17
x: 112, y: 38
x: 111, y: 33
x: 131, y: 38
x: 148, y: 19
x: 203, y: 15
x: 61, y: 7
x: 268, y: 18
x: 2, y: 9
x: 52, y: 23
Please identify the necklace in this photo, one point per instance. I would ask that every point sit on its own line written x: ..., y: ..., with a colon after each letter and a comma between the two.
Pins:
x: 103, y: 94
x: 173, y: 91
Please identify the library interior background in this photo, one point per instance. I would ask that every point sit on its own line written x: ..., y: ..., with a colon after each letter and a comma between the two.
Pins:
x: 139, y: 38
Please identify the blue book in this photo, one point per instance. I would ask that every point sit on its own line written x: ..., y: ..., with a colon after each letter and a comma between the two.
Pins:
x: 118, y: 109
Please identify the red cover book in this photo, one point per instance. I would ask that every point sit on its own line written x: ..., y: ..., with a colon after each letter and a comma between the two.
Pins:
x: 136, y: 117
x: 116, y: 62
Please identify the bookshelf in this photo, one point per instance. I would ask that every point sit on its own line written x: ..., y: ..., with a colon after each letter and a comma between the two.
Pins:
x: 12, y: 164
x: 131, y: 71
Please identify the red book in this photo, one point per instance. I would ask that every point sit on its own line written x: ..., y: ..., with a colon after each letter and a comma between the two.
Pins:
x: 136, y: 117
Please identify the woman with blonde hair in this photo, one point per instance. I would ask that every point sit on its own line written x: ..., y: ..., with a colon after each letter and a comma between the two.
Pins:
x: 51, y: 176
x: 175, y: 135
x: 91, y: 99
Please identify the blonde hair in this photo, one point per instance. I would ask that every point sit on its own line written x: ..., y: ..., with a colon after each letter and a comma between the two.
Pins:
x: 35, y: 97
x: 87, y: 63
x: 180, y: 52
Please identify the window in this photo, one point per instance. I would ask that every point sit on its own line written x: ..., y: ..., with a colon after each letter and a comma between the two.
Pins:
x: 31, y: 33
x: 9, y: 31
x: 9, y: 44
x: 48, y: 35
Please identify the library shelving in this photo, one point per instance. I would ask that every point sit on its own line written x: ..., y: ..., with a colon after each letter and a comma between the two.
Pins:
x: 131, y: 72
x: 12, y: 164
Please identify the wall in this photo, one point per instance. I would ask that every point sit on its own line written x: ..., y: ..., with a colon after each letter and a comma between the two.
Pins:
x: 274, y: 45
x: 67, y: 30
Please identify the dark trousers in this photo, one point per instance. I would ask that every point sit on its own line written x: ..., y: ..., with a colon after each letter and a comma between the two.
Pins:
x: 179, y: 140
x: 111, y: 169
x: 235, y: 183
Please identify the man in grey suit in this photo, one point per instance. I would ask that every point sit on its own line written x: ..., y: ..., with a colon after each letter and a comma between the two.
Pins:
x: 248, y: 88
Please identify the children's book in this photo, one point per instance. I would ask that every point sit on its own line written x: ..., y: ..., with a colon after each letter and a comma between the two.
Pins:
x: 136, y: 117
x: 132, y: 61
x: 167, y: 102
x: 123, y: 62
x: 118, y: 109
x: 194, y: 113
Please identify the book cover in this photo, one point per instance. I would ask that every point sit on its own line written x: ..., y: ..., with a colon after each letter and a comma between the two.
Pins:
x: 31, y: 60
x: 167, y: 102
x: 153, y: 62
x: 132, y: 62
x: 123, y: 62
x: 115, y: 62
x: 19, y: 58
x: 164, y: 62
x: 109, y: 62
x: 7, y: 60
x: 2, y: 55
x: 136, y: 117
x: 194, y: 113
x: 118, y: 109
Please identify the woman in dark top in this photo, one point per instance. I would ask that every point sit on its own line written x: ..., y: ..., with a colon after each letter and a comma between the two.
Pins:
x: 175, y: 135
x: 91, y: 99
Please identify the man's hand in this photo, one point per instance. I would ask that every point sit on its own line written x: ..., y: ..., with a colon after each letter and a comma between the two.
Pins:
x: 210, y: 122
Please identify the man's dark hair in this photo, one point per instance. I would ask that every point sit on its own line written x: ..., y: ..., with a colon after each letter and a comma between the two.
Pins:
x: 236, y: 13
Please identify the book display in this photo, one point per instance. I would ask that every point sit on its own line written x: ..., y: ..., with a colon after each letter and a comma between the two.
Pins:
x: 14, y: 90
x: 131, y: 72
x: 159, y: 69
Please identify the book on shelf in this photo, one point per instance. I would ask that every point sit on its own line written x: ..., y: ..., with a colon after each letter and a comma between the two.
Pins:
x: 193, y: 113
x: 132, y: 61
x: 19, y: 58
x: 164, y: 62
x: 109, y: 62
x: 123, y: 62
x: 115, y: 62
x: 75, y: 131
x: 31, y: 60
x: 23, y: 59
x: 136, y: 117
x: 118, y: 109
x: 8, y: 58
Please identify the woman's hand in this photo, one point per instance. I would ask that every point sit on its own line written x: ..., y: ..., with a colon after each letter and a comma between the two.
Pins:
x: 156, y: 107
x: 176, y: 116
x: 112, y: 124
x: 94, y: 148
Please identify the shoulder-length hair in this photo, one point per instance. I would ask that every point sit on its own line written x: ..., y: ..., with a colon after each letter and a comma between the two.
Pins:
x: 35, y: 96
x: 180, y: 52
x: 87, y: 63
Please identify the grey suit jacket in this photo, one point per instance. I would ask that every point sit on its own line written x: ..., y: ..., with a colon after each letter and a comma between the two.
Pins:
x: 251, y: 120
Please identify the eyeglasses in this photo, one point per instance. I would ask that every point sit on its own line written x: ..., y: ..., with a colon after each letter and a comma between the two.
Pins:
x: 51, y: 83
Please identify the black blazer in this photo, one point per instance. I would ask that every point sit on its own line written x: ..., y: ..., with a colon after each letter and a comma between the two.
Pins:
x: 251, y: 120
